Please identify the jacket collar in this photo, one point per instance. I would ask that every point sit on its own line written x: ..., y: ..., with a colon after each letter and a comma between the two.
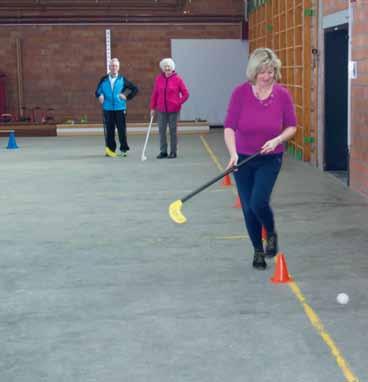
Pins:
x: 171, y: 75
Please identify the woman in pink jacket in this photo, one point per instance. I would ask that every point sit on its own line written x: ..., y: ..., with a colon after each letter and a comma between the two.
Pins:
x: 169, y: 93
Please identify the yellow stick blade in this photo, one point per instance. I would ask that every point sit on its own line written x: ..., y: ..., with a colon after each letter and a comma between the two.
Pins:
x: 175, y: 212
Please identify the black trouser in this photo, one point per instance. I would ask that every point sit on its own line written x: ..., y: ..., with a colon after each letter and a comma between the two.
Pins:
x: 114, y: 118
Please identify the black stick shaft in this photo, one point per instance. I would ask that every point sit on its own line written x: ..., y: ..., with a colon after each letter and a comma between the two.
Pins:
x: 218, y: 177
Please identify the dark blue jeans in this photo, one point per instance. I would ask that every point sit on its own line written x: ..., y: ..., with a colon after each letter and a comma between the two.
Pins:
x: 255, y: 181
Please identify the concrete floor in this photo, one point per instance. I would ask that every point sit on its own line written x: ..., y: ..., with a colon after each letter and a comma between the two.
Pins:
x: 97, y: 284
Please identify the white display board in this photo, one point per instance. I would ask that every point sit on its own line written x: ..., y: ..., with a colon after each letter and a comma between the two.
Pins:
x: 211, y: 69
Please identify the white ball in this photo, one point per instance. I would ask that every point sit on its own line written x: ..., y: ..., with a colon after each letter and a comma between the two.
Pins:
x: 342, y: 298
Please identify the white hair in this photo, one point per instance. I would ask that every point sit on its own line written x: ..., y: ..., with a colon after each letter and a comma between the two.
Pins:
x: 167, y: 61
x: 116, y: 60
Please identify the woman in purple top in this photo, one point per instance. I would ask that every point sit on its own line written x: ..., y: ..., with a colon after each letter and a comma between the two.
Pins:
x: 260, y: 117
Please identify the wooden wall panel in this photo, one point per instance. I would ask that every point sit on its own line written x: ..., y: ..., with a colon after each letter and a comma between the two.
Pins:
x: 285, y: 27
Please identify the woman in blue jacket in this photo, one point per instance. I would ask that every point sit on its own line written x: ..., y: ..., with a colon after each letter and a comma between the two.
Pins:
x: 110, y: 93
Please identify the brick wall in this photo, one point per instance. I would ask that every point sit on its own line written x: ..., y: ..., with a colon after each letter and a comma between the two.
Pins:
x: 359, y: 93
x: 62, y: 64
x: 359, y: 139
x: 332, y: 6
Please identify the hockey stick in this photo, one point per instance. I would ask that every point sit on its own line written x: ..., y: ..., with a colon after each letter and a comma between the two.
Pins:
x: 175, y: 207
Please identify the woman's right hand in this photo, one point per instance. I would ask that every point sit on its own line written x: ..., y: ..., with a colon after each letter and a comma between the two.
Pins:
x: 101, y: 99
x: 233, y: 161
x: 152, y: 112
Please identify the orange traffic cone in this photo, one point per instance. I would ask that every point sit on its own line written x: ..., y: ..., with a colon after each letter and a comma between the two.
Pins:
x: 226, y: 182
x: 237, y: 203
x: 264, y: 235
x: 281, y: 274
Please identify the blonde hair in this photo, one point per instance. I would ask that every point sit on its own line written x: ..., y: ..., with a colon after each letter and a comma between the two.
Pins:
x: 167, y: 61
x: 260, y: 58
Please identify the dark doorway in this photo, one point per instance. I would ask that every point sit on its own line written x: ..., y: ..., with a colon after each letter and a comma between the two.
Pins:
x: 336, y: 101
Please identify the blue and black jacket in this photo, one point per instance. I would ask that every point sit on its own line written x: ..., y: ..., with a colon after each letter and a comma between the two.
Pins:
x: 112, y: 100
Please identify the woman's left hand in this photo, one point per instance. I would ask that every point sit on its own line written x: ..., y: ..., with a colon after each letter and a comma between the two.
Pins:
x: 122, y: 96
x: 270, y: 145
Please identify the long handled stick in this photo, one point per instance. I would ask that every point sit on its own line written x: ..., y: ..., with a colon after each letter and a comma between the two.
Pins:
x: 104, y: 128
x: 175, y: 207
x: 143, y: 156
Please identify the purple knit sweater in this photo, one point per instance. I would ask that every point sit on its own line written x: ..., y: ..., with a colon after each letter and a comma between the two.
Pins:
x: 255, y: 121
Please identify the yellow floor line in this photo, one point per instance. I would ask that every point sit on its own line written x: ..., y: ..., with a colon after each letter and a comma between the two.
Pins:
x: 214, y: 158
x: 313, y: 318
x: 233, y: 237
x: 317, y: 324
x: 211, y: 154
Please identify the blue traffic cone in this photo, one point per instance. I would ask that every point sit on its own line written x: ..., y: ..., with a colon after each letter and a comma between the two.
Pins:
x: 12, y: 144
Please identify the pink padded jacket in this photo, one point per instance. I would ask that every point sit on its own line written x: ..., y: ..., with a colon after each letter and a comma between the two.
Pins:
x: 168, y: 94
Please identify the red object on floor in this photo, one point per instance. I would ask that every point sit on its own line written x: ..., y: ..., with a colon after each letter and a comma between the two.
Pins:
x: 237, y: 203
x: 264, y: 234
x: 226, y: 182
x: 281, y: 274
